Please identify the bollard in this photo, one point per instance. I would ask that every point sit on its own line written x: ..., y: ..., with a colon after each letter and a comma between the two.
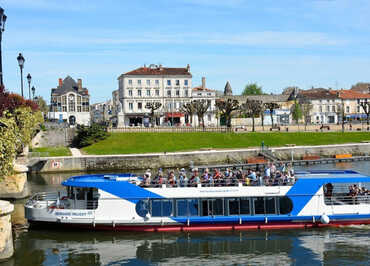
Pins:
x: 6, y: 237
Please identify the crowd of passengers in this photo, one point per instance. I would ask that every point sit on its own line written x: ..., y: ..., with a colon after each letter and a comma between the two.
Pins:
x: 269, y: 175
x: 355, y: 191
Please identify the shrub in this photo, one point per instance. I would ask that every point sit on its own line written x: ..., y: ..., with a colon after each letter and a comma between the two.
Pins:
x: 89, y: 135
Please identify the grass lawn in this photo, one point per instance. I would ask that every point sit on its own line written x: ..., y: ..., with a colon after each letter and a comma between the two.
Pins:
x: 52, y: 151
x: 124, y: 143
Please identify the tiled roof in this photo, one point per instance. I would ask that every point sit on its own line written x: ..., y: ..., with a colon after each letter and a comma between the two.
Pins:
x: 361, y: 87
x: 350, y: 94
x: 165, y: 71
x: 317, y: 93
x: 200, y: 88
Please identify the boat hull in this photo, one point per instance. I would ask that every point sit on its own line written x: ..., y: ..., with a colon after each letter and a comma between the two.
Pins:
x: 195, y: 227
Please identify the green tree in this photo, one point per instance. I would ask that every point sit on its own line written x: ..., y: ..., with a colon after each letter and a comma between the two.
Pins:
x: 43, y: 107
x: 306, y: 110
x: 296, y: 112
x: 252, y: 89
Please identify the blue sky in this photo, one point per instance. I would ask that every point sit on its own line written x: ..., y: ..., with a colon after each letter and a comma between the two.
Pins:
x: 274, y: 43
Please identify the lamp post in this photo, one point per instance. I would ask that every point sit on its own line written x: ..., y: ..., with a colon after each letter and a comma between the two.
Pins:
x: 21, y: 60
x: 33, y: 92
x: 29, y: 78
x: 2, y: 28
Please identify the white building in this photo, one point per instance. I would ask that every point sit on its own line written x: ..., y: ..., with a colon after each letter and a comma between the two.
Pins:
x: 169, y: 86
x: 203, y: 93
x: 70, y: 102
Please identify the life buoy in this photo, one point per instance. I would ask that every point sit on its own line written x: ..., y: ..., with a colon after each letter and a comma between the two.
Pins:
x: 64, y: 198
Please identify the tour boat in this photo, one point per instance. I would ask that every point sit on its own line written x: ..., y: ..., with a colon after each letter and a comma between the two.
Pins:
x: 120, y: 202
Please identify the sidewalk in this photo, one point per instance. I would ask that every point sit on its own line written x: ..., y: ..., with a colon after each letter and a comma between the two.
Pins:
x: 75, y: 152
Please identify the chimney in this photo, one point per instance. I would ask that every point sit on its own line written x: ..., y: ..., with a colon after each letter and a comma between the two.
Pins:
x: 203, y: 83
x: 79, y: 84
x: 60, y: 82
x: 160, y: 67
x: 188, y: 68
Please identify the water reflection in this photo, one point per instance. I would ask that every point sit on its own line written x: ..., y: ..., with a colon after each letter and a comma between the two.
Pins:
x: 311, y: 247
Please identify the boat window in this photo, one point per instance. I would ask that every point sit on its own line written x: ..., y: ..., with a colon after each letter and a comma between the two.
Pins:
x: 245, y: 206
x: 156, y: 208
x: 259, y: 205
x: 347, y: 193
x: 182, y: 207
x: 167, y: 208
x: 212, y: 207
x: 193, y: 207
x: 270, y: 205
x: 285, y: 204
x: 80, y: 194
x: 233, y: 205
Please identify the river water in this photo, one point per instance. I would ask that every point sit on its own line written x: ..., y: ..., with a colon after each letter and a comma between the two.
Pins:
x: 338, y: 246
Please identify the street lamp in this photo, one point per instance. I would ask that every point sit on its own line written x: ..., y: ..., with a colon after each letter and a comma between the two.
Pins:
x: 33, y: 92
x: 29, y: 78
x: 2, y: 28
x: 21, y: 60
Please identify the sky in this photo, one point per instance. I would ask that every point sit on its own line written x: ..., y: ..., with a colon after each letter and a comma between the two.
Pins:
x: 304, y: 43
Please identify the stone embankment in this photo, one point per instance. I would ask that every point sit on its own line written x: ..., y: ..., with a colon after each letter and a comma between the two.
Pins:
x: 6, y: 237
x: 184, y: 159
x: 15, y: 186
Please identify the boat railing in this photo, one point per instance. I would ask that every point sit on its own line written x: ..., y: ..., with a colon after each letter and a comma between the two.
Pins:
x: 231, y: 183
x: 347, y: 200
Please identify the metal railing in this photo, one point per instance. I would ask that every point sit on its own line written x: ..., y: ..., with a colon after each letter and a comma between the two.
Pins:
x: 347, y: 200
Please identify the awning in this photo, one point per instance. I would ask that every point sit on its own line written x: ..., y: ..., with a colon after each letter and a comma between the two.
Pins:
x: 355, y: 116
x: 174, y: 114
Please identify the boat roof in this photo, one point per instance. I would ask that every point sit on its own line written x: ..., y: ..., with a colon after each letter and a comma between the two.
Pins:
x: 93, y: 180
x: 324, y: 174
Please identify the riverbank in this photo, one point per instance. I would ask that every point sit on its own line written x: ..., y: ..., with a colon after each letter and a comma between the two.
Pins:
x: 150, y: 142
x: 185, y: 159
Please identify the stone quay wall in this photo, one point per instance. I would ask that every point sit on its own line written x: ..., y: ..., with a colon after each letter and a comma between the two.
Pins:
x: 6, y: 236
x: 185, y: 159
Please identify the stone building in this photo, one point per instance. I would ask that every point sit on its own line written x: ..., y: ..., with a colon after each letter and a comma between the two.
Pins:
x: 154, y: 83
x: 70, y: 102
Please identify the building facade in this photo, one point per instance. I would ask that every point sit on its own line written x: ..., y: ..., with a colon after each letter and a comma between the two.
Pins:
x: 169, y: 86
x: 70, y: 102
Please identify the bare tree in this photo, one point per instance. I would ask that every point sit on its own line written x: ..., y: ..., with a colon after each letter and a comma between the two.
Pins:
x: 188, y: 109
x: 306, y: 110
x: 201, y: 107
x: 262, y: 114
x: 152, y: 106
x: 271, y: 107
x: 251, y: 108
x: 226, y: 107
x: 339, y: 110
x: 366, y: 107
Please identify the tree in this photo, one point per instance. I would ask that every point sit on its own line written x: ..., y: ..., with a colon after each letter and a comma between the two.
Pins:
x: 251, y: 108
x: 252, y: 89
x: 43, y: 107
x: 306, y: 110
x: 188, y: 109
x: 201, y: 107
x: 296, y: 111
x: 152, y: 106
x: 271, y: 107
x: 262, y: 114
x: 366, y: 107
x: 226, y: 107
x: 340, y: 113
